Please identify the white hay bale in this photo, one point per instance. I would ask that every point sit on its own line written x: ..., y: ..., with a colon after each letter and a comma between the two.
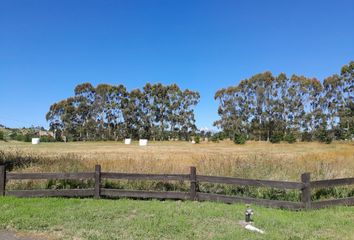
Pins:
x: 143, y: 142
x: 35, y: 140
x: 193, y: 142
x: 127, y: 141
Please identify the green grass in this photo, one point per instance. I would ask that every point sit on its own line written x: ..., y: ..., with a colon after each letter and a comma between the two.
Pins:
x: 134, y: 219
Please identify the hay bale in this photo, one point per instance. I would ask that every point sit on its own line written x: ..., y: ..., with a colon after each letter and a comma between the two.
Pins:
x: 143, y: 142
x: 35, y: 140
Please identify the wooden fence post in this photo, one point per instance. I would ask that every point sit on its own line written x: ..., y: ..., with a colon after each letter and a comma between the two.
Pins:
x: 97, y: 181
x: 2, y: 180
x: 193, y: 180
x: 306, y: 190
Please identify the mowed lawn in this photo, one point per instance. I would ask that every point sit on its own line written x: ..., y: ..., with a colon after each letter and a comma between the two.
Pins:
x: 135, y: 219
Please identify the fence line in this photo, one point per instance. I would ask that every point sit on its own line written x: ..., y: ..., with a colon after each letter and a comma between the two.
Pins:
x: 97, y: 192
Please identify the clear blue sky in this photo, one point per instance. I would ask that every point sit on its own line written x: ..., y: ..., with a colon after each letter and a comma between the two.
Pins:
x: 48, y: 47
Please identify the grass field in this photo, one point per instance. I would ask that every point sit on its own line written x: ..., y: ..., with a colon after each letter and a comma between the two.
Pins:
x: 132, y: 219
x: 253, y: 160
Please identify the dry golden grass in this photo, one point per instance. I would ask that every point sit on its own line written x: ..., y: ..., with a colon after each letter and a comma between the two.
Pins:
x: 252, y: 160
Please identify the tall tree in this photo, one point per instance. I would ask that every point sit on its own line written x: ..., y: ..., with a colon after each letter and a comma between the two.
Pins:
x: 264, y: 106
x: 111, y: 112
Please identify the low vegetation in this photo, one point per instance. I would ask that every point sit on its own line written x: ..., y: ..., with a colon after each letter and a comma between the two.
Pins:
x: 257, y: 160
x: 133, y: 219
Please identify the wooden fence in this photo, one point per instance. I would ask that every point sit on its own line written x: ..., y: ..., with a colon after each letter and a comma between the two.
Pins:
x: 304, y: 186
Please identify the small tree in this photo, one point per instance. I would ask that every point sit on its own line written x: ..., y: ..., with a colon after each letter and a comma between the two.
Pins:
x: 276, y: 137
x: 239, y: 138
x: 290, y: 138
x: 215, y: 138
x: 306, y: 137
x: 2, y: 135
x: 27, y: 137
x: 197, y: 139
x: 47, y: 139
x: 323, y: 135
x: 19, y: 137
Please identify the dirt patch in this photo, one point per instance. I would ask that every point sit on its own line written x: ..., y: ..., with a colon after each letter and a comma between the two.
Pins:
x: 10, y: 235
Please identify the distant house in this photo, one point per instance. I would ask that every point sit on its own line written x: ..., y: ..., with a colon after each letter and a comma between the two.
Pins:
x: 41, y: 133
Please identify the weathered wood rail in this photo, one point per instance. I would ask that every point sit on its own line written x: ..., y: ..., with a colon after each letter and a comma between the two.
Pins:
x: 98, y: 191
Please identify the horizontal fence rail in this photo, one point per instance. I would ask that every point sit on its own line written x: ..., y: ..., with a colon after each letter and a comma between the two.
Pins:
x: 250, y: 182
x: 48, y: 176
x: 136, y: 176
x: 97, y: 192
x: 144, y: 194
x: 332, y: 182
x: 52, y: 193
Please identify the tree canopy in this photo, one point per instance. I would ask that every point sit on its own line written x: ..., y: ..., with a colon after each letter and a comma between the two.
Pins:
x: 107, y: 112
x: 265, y: 107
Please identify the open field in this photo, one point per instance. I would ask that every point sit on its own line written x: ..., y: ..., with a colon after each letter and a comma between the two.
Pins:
x: 252, y: 160
x: 133, y: 219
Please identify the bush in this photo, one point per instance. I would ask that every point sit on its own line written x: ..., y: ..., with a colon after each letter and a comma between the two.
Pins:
x: 27, y: 137
x: 47, y: 139
x: 19, y: 137
x: 239, y: 138
x: 214, y: 138
x: 290, y: 138
x: 306, y: 137
x: 221, y: 136
x: 2, y: 135
x: 323, y: 135
x: 276, y: 137
x: 197, y: 139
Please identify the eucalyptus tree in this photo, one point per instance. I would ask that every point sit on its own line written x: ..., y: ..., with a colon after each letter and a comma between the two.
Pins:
x: 85, y: 97
x: 63, y: 117
x: 347, y: 110
x: 111, y: 112
x: 264, y: 105
x: 333, y: 94
x: 186, y: 123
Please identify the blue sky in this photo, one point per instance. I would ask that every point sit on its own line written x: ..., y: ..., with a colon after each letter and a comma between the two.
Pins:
x: 48, y: 47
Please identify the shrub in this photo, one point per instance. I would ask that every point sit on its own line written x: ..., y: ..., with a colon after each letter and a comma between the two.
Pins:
x: 306, y: 137
x: 214, y: 138
x: 2, y: 135
x: 290, y: 138
x: 27, y: 137
x: 276, y: 137
x: 239, y: 138
x: 197, y: 139
x: 218, y: 136
x: 19, y: 137
x: 13, y: 135
x: 47, y: 139
x: 323, y: 135
x: 221, y: 136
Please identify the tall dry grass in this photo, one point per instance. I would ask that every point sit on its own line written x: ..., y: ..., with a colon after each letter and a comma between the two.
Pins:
x: 253, y: 160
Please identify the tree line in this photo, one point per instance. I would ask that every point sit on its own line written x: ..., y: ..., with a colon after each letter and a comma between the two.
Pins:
x: 275, y: 108
x: 108, y: 112
x: 263, y: 107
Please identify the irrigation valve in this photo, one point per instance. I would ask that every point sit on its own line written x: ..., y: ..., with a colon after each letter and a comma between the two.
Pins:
x: 248, y: 223
x: 248, y: 214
